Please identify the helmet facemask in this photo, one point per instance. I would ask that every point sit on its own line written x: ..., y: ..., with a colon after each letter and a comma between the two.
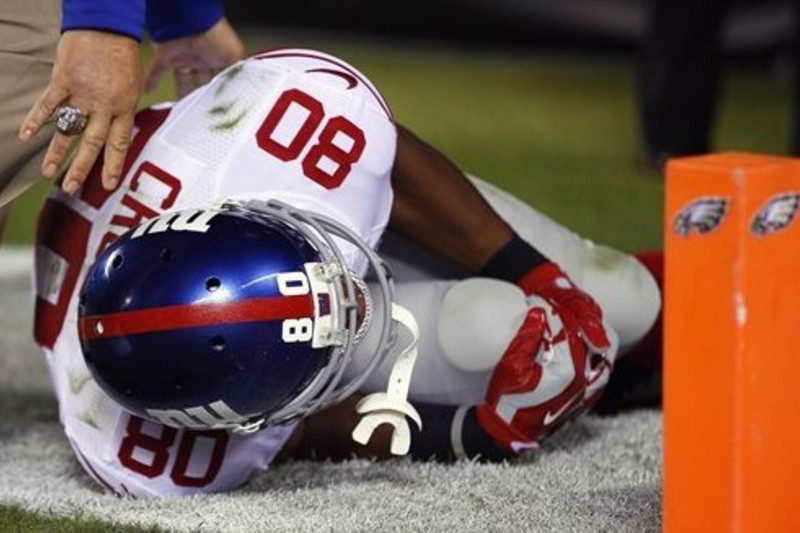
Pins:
x: 330, y: 280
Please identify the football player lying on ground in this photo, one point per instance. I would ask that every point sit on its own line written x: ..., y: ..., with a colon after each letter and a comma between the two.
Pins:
x: 236, y: 335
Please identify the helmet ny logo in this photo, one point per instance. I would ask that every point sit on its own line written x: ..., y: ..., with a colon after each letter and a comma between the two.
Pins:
x: 701, y: 216
x: 776, y: 214
x: 217, y: 414
x: 193, y: 220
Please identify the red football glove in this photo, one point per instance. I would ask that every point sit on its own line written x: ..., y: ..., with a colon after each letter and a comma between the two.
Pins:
x: 554, y: 368
x: 552, y: 284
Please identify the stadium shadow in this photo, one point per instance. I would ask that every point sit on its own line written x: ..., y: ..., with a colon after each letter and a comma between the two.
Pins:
x: 636, y: 508
x: 23, y: 409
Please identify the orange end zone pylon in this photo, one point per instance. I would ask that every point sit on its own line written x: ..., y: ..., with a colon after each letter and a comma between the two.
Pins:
x: 732, y: 345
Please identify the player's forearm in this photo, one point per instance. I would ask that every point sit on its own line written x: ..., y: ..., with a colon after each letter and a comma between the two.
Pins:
x: 436, y: 206
x: 328, y: 435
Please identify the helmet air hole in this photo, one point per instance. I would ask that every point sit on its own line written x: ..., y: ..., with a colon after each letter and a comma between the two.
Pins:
x: 165, y: 255
x: 218, y: 343
x: 178, y: 383
x: 212, y: 284
x: 117, y: 261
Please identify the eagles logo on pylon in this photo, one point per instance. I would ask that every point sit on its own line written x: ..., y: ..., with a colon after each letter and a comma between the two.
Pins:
x: 701, y: 216
x: 776, y: 214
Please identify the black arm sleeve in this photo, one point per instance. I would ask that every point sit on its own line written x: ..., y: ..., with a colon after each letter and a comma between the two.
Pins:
x: 451, y: 433
x: 515, y: 259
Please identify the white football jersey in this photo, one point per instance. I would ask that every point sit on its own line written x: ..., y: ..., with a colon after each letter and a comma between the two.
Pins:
x: 308, y: 129
x: 294, y: 125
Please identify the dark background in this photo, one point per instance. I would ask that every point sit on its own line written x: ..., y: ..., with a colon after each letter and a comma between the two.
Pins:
x: 758, y: 29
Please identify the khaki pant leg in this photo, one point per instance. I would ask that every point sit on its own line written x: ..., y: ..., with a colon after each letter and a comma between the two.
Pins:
x: 29, y: 31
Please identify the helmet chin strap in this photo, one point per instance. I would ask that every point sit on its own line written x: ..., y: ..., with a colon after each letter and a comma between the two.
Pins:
x: 392, y: 407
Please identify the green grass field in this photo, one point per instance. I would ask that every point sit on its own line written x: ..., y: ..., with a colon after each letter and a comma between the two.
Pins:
x: 19, y: 521
x: 561, y: 133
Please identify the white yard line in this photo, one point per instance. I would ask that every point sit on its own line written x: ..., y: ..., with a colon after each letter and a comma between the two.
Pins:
x: 15, y: 261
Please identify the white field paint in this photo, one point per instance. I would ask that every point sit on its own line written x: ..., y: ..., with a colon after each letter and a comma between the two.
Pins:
x: 15, y: 261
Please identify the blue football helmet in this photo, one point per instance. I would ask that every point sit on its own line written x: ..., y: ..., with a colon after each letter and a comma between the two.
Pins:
x: 237, y: 317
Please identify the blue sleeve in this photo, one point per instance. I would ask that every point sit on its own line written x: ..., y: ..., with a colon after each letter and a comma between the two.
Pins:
x: 171, y: 19
x: 119, y: 16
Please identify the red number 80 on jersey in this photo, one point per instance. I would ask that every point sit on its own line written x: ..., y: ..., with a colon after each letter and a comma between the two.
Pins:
x: 338, y: 146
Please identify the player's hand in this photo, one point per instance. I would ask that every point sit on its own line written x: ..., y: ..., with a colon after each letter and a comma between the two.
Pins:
x: 548, y: 281
x: 195, y: 59
x: 100, y: 73
x: 550, y: 371
x: 552, y: 284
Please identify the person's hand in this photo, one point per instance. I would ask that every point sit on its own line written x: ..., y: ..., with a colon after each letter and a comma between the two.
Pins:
x: 553, y: 284
x: 548, y: 281
x: 195, y: 59
x: 554, y: 368
x: 100, y: 73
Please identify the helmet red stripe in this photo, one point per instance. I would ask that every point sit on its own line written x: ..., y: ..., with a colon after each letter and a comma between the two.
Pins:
x: 195, y: 315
